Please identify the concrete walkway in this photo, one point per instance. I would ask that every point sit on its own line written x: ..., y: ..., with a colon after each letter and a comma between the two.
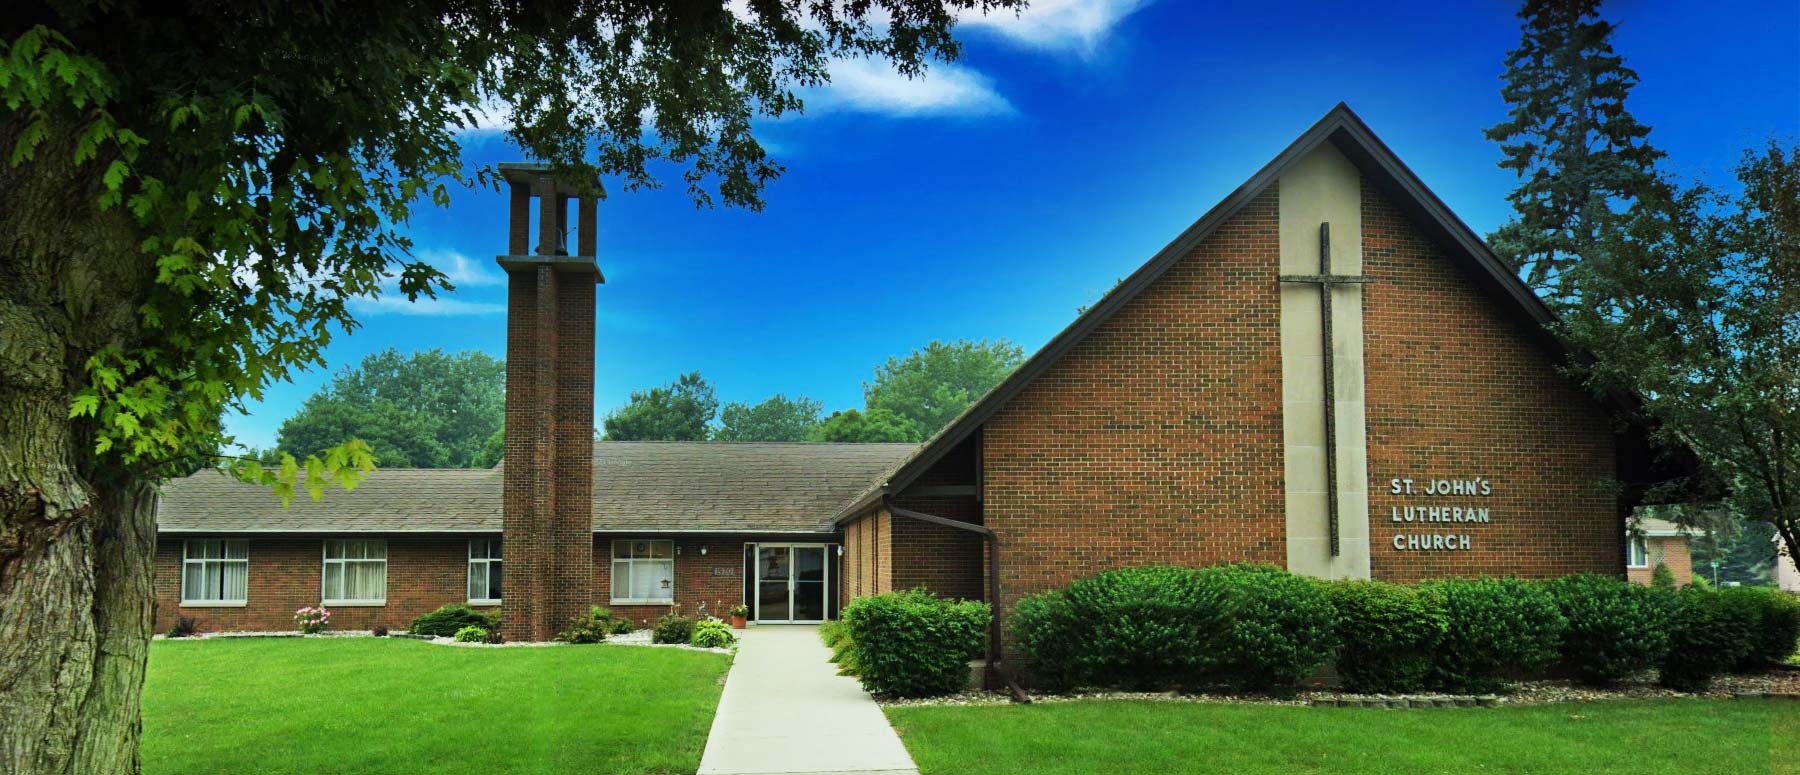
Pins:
x: 786, y: 710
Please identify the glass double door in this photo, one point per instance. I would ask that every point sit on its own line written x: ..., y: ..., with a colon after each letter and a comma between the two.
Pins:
x: 791, y: 583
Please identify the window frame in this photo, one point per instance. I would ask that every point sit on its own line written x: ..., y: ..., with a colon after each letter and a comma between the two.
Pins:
x: 632, y: 561
x: 187, y: 602
x: 1633, y: 543
x: 488, y: 563
x: 325, y: 563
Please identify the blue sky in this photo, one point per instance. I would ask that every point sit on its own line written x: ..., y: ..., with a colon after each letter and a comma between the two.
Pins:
x: 996, y: 195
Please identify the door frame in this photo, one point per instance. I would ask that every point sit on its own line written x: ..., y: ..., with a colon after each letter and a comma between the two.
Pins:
x: 755, y: 590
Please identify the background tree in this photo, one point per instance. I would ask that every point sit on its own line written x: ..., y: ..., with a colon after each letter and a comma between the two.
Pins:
x: 1695, y: 307
x: 425, y: 410
x: 931, y: 386
x: 875, y: 425
x: 190, y: 198
x: 1581, y: 158
x: 775, y: 419
x: 679, y: 411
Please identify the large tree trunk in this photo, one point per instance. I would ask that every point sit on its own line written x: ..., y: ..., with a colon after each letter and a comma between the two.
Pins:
x: 77, y: 532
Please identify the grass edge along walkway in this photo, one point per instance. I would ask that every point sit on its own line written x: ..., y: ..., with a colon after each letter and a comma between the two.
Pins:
x: 1119, y: 737
x: 379, y: 705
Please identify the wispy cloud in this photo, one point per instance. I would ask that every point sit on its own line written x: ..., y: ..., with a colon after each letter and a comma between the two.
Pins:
x: 871, y: 86
x: 442, y: 306
x: 1058, y: 24
x: 463, y: 271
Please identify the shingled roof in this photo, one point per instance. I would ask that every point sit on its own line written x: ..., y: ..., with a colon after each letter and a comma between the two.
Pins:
x: 638, y: 486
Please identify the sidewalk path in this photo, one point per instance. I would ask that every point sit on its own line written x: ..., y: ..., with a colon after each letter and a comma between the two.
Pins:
x: 786, y: 710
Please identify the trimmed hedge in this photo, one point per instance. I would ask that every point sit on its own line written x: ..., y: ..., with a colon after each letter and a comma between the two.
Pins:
x: 1498, y: 628
x: 1616, y: 629
x: 1709, y: 633
x: 914, y: 643
x: 447, y: 620
x: 1777, y: 625
x: 1389, y: 632
x: 1240, y: 626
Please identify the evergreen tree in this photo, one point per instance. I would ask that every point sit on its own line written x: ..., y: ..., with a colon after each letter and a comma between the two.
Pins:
x: 1581, y: 157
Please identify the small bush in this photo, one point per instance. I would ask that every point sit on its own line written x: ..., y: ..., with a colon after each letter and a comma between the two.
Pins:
x: 1497, y: 627
x: 1708, y: 635
x: 447, y: 620
x: 915, y: 644
x: 471, y: 634
x: 379, y: 631
x: 1661, y: 577
x: 672, y: 628
x: 1388, y: 633
x: 843, y: 650
x: 712, y: 634
x: 592, y: 628
x: 1615, y: 629
x: 185, y: 627
x: 1129, y: 628
x: 1776, y: 625
x: 312, y: 619
x: 621, y: 627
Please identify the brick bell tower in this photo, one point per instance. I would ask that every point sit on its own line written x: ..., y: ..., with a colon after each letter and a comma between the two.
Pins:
x: 549, y: 465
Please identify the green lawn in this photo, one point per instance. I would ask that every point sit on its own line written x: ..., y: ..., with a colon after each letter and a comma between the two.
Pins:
x: 1678, y: 736
x: 369, y: 705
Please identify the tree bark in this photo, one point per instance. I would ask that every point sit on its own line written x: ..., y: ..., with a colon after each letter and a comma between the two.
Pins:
x: 77, y: 531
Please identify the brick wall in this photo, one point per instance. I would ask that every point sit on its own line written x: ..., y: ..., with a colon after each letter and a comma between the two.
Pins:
x: 695, y: 582
x: 1458, y: 390
x: 1673, y: 551
x: 1158, y: 439
x: 287, y: 573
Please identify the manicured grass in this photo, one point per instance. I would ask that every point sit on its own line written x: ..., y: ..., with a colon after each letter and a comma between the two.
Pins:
x: 1689, y: 737
x: 377, y: 705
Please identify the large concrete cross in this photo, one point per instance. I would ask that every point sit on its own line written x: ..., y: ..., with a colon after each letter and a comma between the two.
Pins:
x: 1325, y: 280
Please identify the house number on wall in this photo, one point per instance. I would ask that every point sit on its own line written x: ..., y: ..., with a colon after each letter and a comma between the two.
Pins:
x: 1455, y: 502
x: 724, y: 570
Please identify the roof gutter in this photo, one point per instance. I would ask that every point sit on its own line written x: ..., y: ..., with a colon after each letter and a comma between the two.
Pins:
x: 996, y: 660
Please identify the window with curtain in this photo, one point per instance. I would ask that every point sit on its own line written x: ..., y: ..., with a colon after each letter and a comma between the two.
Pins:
x: 355, y: 572
x: 643, y: 571
x: 1639, y: 554
x: 215, y: 572
x: 484, y: 570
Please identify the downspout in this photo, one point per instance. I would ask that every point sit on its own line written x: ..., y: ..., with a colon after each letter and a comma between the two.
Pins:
x: 996, y: 660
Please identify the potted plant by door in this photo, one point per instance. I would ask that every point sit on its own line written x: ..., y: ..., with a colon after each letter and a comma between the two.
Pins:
x: 739, y: 612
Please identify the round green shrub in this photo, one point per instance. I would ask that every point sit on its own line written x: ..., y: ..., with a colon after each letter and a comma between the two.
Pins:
x: 672, y: 628
x: 471, y: 634
x: 1615, y: 629
x: 592, y: 628
x: 621, y: 627
x: 1388, y: 633
x: 1277, y: 627
x: 712, y: 634
x: 1131, y: 628
x: 1497, y: 627
x: 1708, y: 634
x: 914, y: 643
x: 1776, y: 625
x: 447, y: 620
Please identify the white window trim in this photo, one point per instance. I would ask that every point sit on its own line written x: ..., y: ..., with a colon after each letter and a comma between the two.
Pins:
x: 325, y: 560
x: 614, y: 559
x: 1633, y: 541
x: 186, y: 603
x: 485, y: 561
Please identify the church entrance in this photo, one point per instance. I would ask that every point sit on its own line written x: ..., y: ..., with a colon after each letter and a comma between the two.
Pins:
x: 792, y: 584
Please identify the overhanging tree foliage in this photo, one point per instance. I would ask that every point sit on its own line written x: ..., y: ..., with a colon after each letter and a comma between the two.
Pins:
x: 1695, y: 306
x: 191, y: 196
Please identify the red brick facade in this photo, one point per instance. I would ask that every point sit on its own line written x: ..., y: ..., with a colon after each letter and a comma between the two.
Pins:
x: 285, y: 573
x: 1457, y: 390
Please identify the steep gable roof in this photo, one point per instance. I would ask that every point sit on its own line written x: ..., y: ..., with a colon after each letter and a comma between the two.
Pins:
x: 1346, y: 132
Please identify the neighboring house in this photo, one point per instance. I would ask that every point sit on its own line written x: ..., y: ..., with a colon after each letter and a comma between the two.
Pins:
x: 1188, y: 418
x: 1659, y: 541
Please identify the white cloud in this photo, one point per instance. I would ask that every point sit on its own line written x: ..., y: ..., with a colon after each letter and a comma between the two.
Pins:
x: 875, y: 87
x: 1058, y: 24
x: 463, y: 271
x: 396, y: 304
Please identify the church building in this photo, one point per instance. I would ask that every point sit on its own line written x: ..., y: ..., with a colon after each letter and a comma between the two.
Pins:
x: 1328, y: 372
